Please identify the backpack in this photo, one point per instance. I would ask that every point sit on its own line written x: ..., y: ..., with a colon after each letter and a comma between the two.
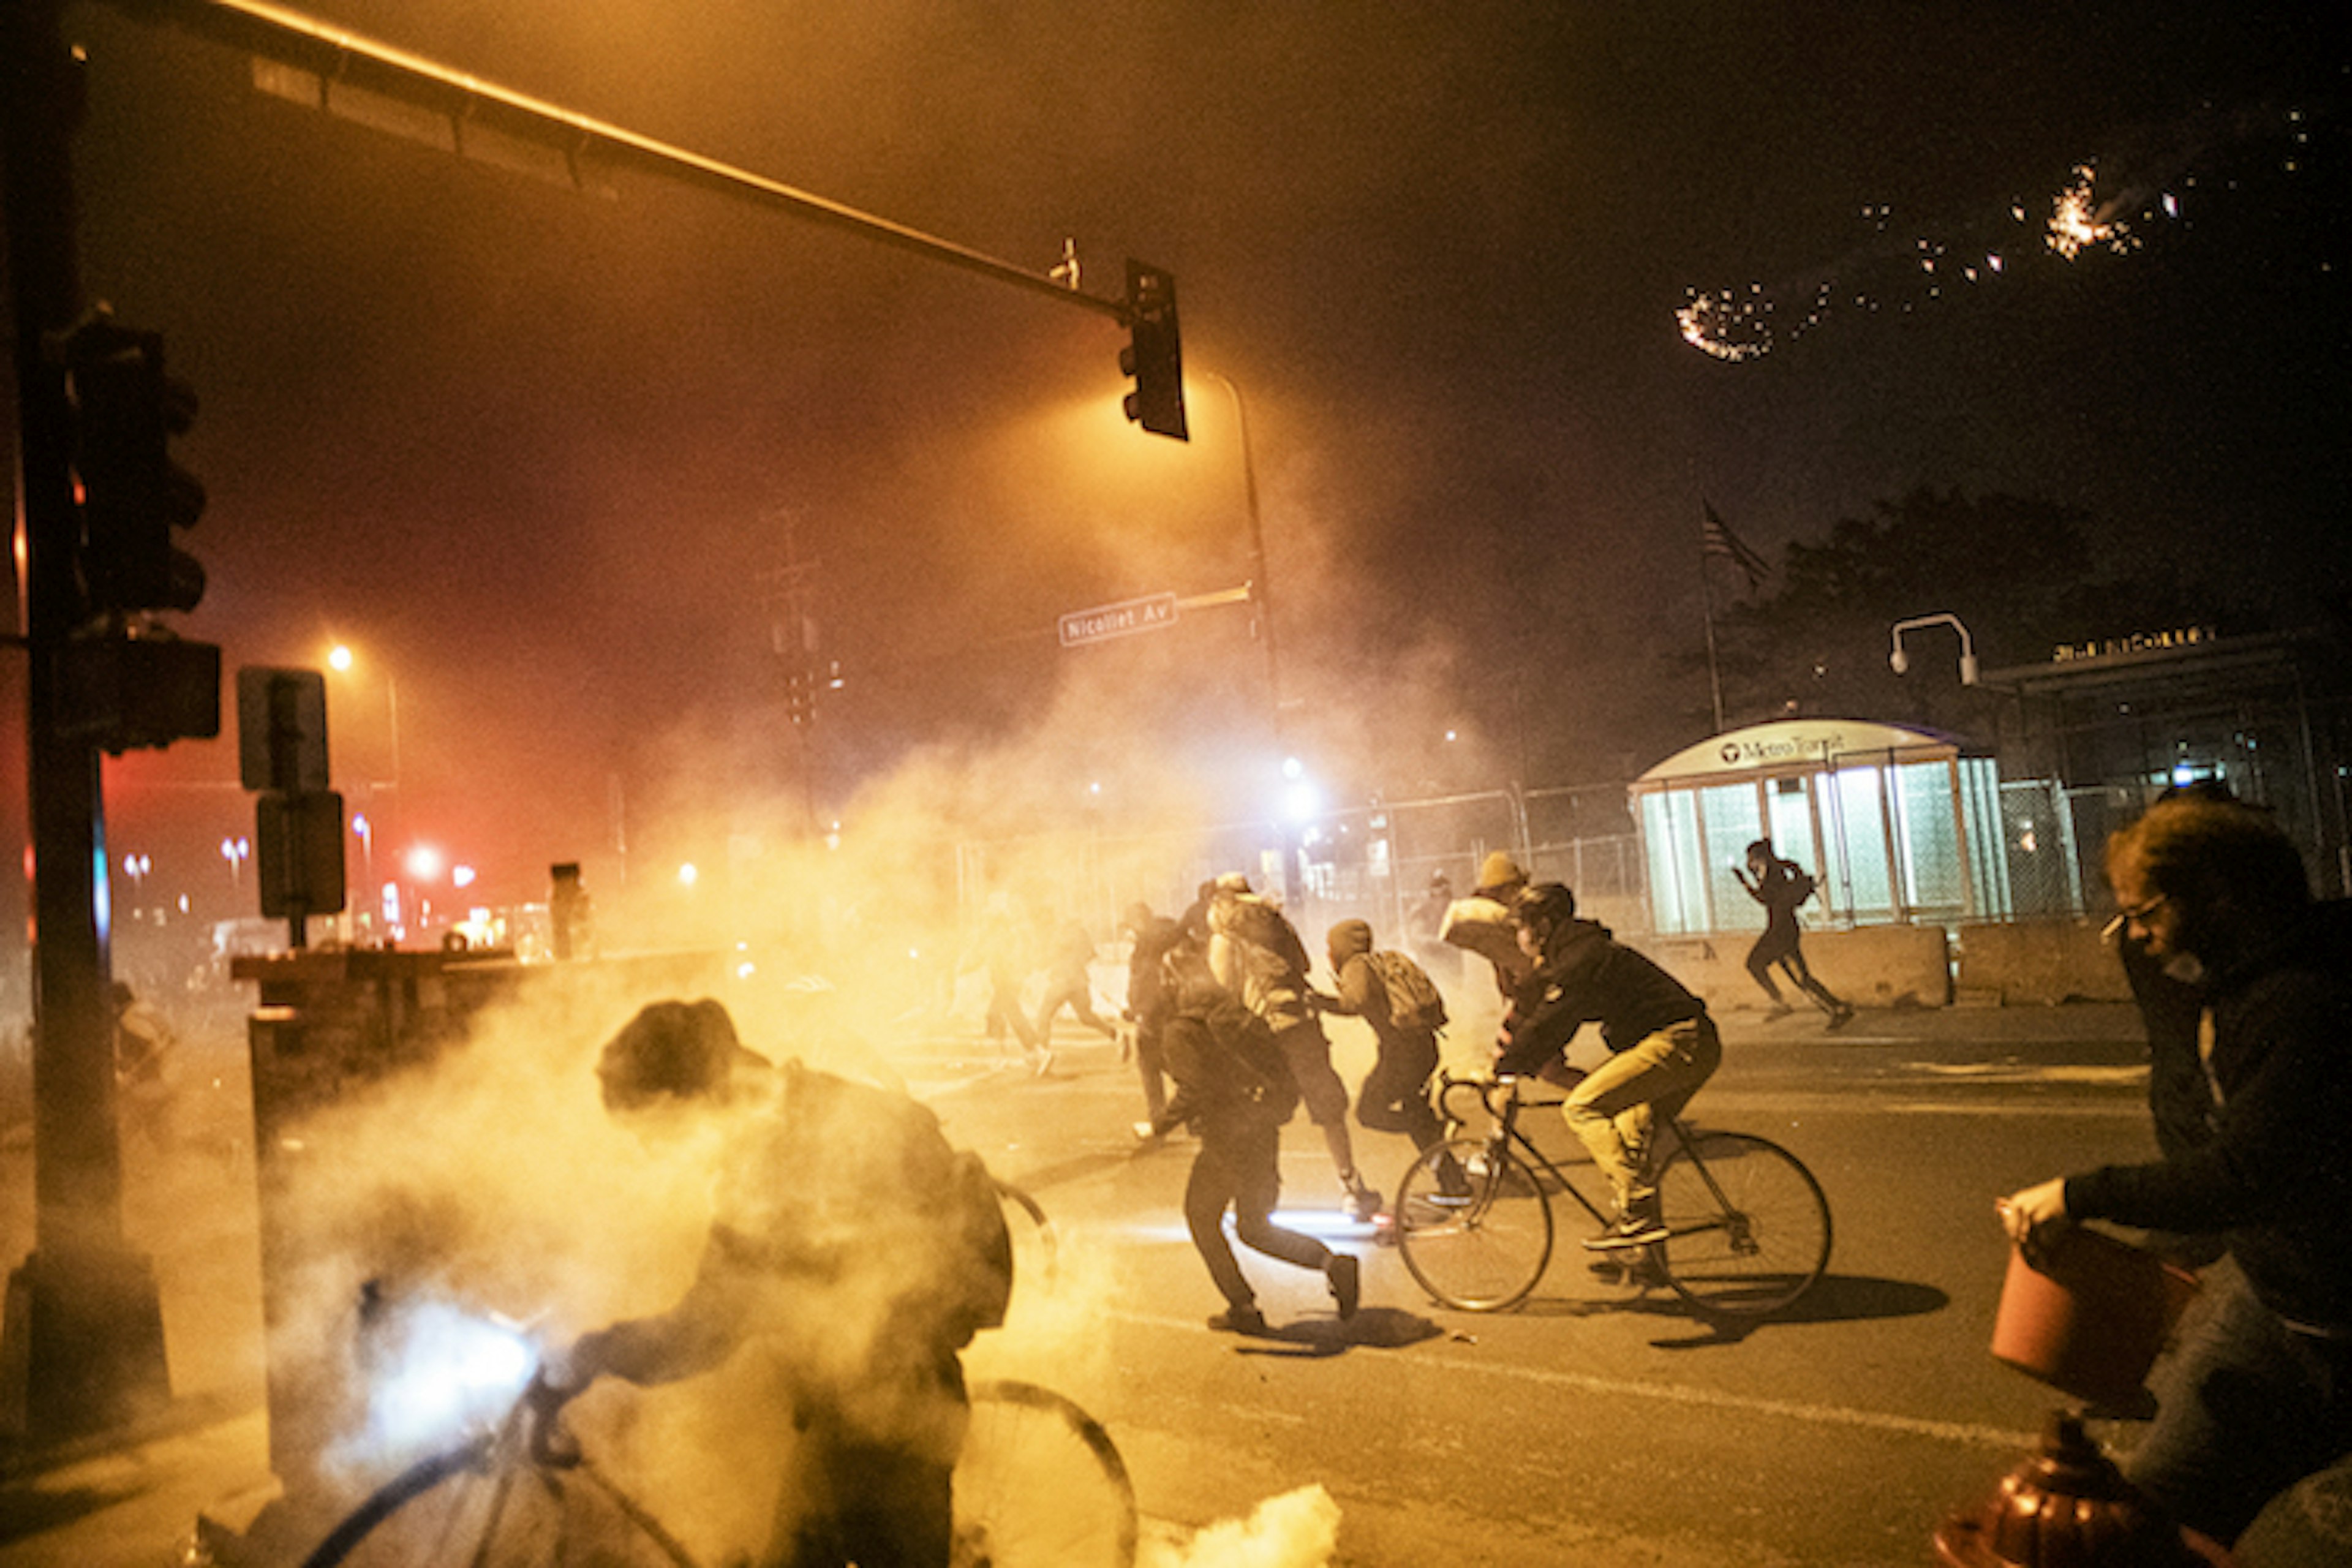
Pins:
x: 1261, y: 925
x: 1251, y: 1062
x: 1413, y: 999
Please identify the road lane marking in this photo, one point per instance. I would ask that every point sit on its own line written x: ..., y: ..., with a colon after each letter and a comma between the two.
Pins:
x: 1962, y: 1432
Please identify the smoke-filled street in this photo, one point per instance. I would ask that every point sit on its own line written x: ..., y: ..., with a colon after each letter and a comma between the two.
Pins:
x: 1591, y: 1426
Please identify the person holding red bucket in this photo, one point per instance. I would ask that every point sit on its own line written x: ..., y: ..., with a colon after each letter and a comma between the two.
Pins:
x: 2258, y: 1392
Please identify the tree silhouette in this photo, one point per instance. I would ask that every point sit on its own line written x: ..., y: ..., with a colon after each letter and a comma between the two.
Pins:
x: 2023, y: 575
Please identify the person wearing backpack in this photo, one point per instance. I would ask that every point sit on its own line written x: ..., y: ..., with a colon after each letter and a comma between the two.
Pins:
x: 1235, y: 1090
x: 1396, y: 997
x: 1255, y: 954
x: 1780, y: 886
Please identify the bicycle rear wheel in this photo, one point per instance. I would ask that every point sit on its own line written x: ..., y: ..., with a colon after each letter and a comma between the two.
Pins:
x: 1749, y: 1226
x: 1039, y: 1485
x: 1482, y: 1249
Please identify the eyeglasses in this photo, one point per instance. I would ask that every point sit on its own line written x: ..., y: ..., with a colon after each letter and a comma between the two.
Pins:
x: 2137, y: 915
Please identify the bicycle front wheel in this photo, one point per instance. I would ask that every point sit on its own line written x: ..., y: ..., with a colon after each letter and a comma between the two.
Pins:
x: 1747, y: 1226
x: 448, y: 1509
x: 1473, y: 1224
x: 1039, y: 1485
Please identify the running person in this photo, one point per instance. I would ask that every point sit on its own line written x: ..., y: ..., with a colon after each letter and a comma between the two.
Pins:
x: 1663, y: 1047
x: 1780, y: 886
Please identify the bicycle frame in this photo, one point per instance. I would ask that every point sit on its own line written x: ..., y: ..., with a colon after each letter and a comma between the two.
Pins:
x: 1505, y: 1119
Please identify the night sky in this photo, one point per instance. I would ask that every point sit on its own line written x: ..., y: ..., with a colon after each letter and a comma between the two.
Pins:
x: 543, y: 457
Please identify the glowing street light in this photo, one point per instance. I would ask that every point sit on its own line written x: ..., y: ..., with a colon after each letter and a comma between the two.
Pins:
x: 342, y: 661
x: 236, y: 851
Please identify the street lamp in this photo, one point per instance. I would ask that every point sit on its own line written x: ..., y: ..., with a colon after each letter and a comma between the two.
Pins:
x: 342, y: 661
x: 1258, y: 589
x: 365, y: 833
x: 1900, y: 661
x: 235, y: 851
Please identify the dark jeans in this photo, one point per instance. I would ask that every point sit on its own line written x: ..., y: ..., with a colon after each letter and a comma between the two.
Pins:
x: 2246, y: 1407
x: 1396, y: 1095
x: 1153, y: 1067
x: 1239, y: 1166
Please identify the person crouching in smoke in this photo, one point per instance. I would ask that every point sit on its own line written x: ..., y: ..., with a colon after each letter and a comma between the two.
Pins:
x: 854, y: 1244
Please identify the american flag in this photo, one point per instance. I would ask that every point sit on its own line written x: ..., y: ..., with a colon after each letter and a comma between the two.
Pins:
x: 1719, y: 544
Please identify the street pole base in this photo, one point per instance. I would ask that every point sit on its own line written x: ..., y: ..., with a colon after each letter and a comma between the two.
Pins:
x: 82, y: 1347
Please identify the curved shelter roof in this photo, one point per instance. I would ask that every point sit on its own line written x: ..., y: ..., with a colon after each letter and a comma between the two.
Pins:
x: 1795, y: 745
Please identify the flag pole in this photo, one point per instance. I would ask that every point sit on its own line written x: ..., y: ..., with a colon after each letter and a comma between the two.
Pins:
x: 1714, y: 673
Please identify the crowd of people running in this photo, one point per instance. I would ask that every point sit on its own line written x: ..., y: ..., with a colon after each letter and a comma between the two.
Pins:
x: 1228, y: 1040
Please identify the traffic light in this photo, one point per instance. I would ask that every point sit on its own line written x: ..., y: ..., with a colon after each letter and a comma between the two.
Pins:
x: 133, y: 497
x: 1155, y: 355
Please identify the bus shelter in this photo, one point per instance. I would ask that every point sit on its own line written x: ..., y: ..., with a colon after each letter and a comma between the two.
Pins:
x: 1897, y: 824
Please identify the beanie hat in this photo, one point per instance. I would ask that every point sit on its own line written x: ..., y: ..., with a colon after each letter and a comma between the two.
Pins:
x: 1498, y: 872
x: 1348, y: 939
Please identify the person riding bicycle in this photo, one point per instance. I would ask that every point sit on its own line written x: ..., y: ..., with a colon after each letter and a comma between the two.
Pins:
x: 849, y: 1239
x: 1663, y: 1047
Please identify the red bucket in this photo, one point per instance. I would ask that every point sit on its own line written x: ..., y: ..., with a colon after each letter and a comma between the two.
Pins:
x: 2090, y: 1318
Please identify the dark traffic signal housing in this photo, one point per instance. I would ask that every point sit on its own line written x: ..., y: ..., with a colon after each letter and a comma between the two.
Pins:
x: 133, y: 498
x: 1155, y: 353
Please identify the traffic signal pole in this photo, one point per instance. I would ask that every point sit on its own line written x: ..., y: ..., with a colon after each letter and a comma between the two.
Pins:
x: 82, y: 1348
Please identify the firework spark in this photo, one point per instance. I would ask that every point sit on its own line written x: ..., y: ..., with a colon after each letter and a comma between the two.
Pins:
x: 2077, y: 223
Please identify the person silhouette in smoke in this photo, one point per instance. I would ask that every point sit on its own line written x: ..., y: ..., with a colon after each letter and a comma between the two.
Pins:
x: 1255, y: 953
x: 854, y: 1244
x: 1235, y: 1088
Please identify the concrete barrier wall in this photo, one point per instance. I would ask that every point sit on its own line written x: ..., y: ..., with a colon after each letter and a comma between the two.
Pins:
x: 1875, y: 966
x: 2037, y: 962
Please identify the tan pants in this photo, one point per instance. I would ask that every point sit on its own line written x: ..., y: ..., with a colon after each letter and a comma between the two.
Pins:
x: 1615, y: 1110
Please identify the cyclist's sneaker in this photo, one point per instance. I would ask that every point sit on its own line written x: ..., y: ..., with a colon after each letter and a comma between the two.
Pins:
x: 1240, y: 1321
x: 1628, y: 1230
x: 1363, y: 1202
x: 1345, y: 1275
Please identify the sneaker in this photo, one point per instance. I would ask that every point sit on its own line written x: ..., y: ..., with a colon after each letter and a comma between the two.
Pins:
x: 1043, y: 1063
x: 1628, y: 1230
x: 1240, y: 1321
x: 1345, y: 1275
x: 1840, y: 1017
x: 1777, y: 1010
x: 1363, y: 1202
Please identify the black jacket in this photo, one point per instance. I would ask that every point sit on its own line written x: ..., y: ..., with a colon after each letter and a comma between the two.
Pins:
x: 2274, y: 1176
x: 1585, y: 978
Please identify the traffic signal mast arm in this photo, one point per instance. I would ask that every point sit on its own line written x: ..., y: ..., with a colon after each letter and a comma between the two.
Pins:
x: 335, y: 59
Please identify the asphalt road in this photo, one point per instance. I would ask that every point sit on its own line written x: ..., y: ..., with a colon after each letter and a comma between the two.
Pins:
x: 1592, y: 1425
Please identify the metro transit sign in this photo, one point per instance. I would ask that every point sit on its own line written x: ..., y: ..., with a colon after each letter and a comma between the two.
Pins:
x: 1123, y: 620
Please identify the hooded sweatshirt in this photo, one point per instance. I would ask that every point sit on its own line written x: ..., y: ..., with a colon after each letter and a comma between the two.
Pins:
x: 1585, y: 977
x: 2274, y: 1175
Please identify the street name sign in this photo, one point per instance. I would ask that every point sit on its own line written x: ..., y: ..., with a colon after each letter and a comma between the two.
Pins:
x: 1123, y: 620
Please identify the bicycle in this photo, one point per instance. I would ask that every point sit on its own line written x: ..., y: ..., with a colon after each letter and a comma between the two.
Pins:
x: 1748, y: 1227
x: 1039, y: 1482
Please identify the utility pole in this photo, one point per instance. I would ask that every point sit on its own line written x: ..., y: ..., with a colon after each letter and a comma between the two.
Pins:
x: 83, y: 1349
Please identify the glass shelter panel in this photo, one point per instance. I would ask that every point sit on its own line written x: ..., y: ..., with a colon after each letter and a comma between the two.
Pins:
x: 1854, y: 829
x: 1927, y: 838
x: 1730, y: 815
x: 1670, y: 835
